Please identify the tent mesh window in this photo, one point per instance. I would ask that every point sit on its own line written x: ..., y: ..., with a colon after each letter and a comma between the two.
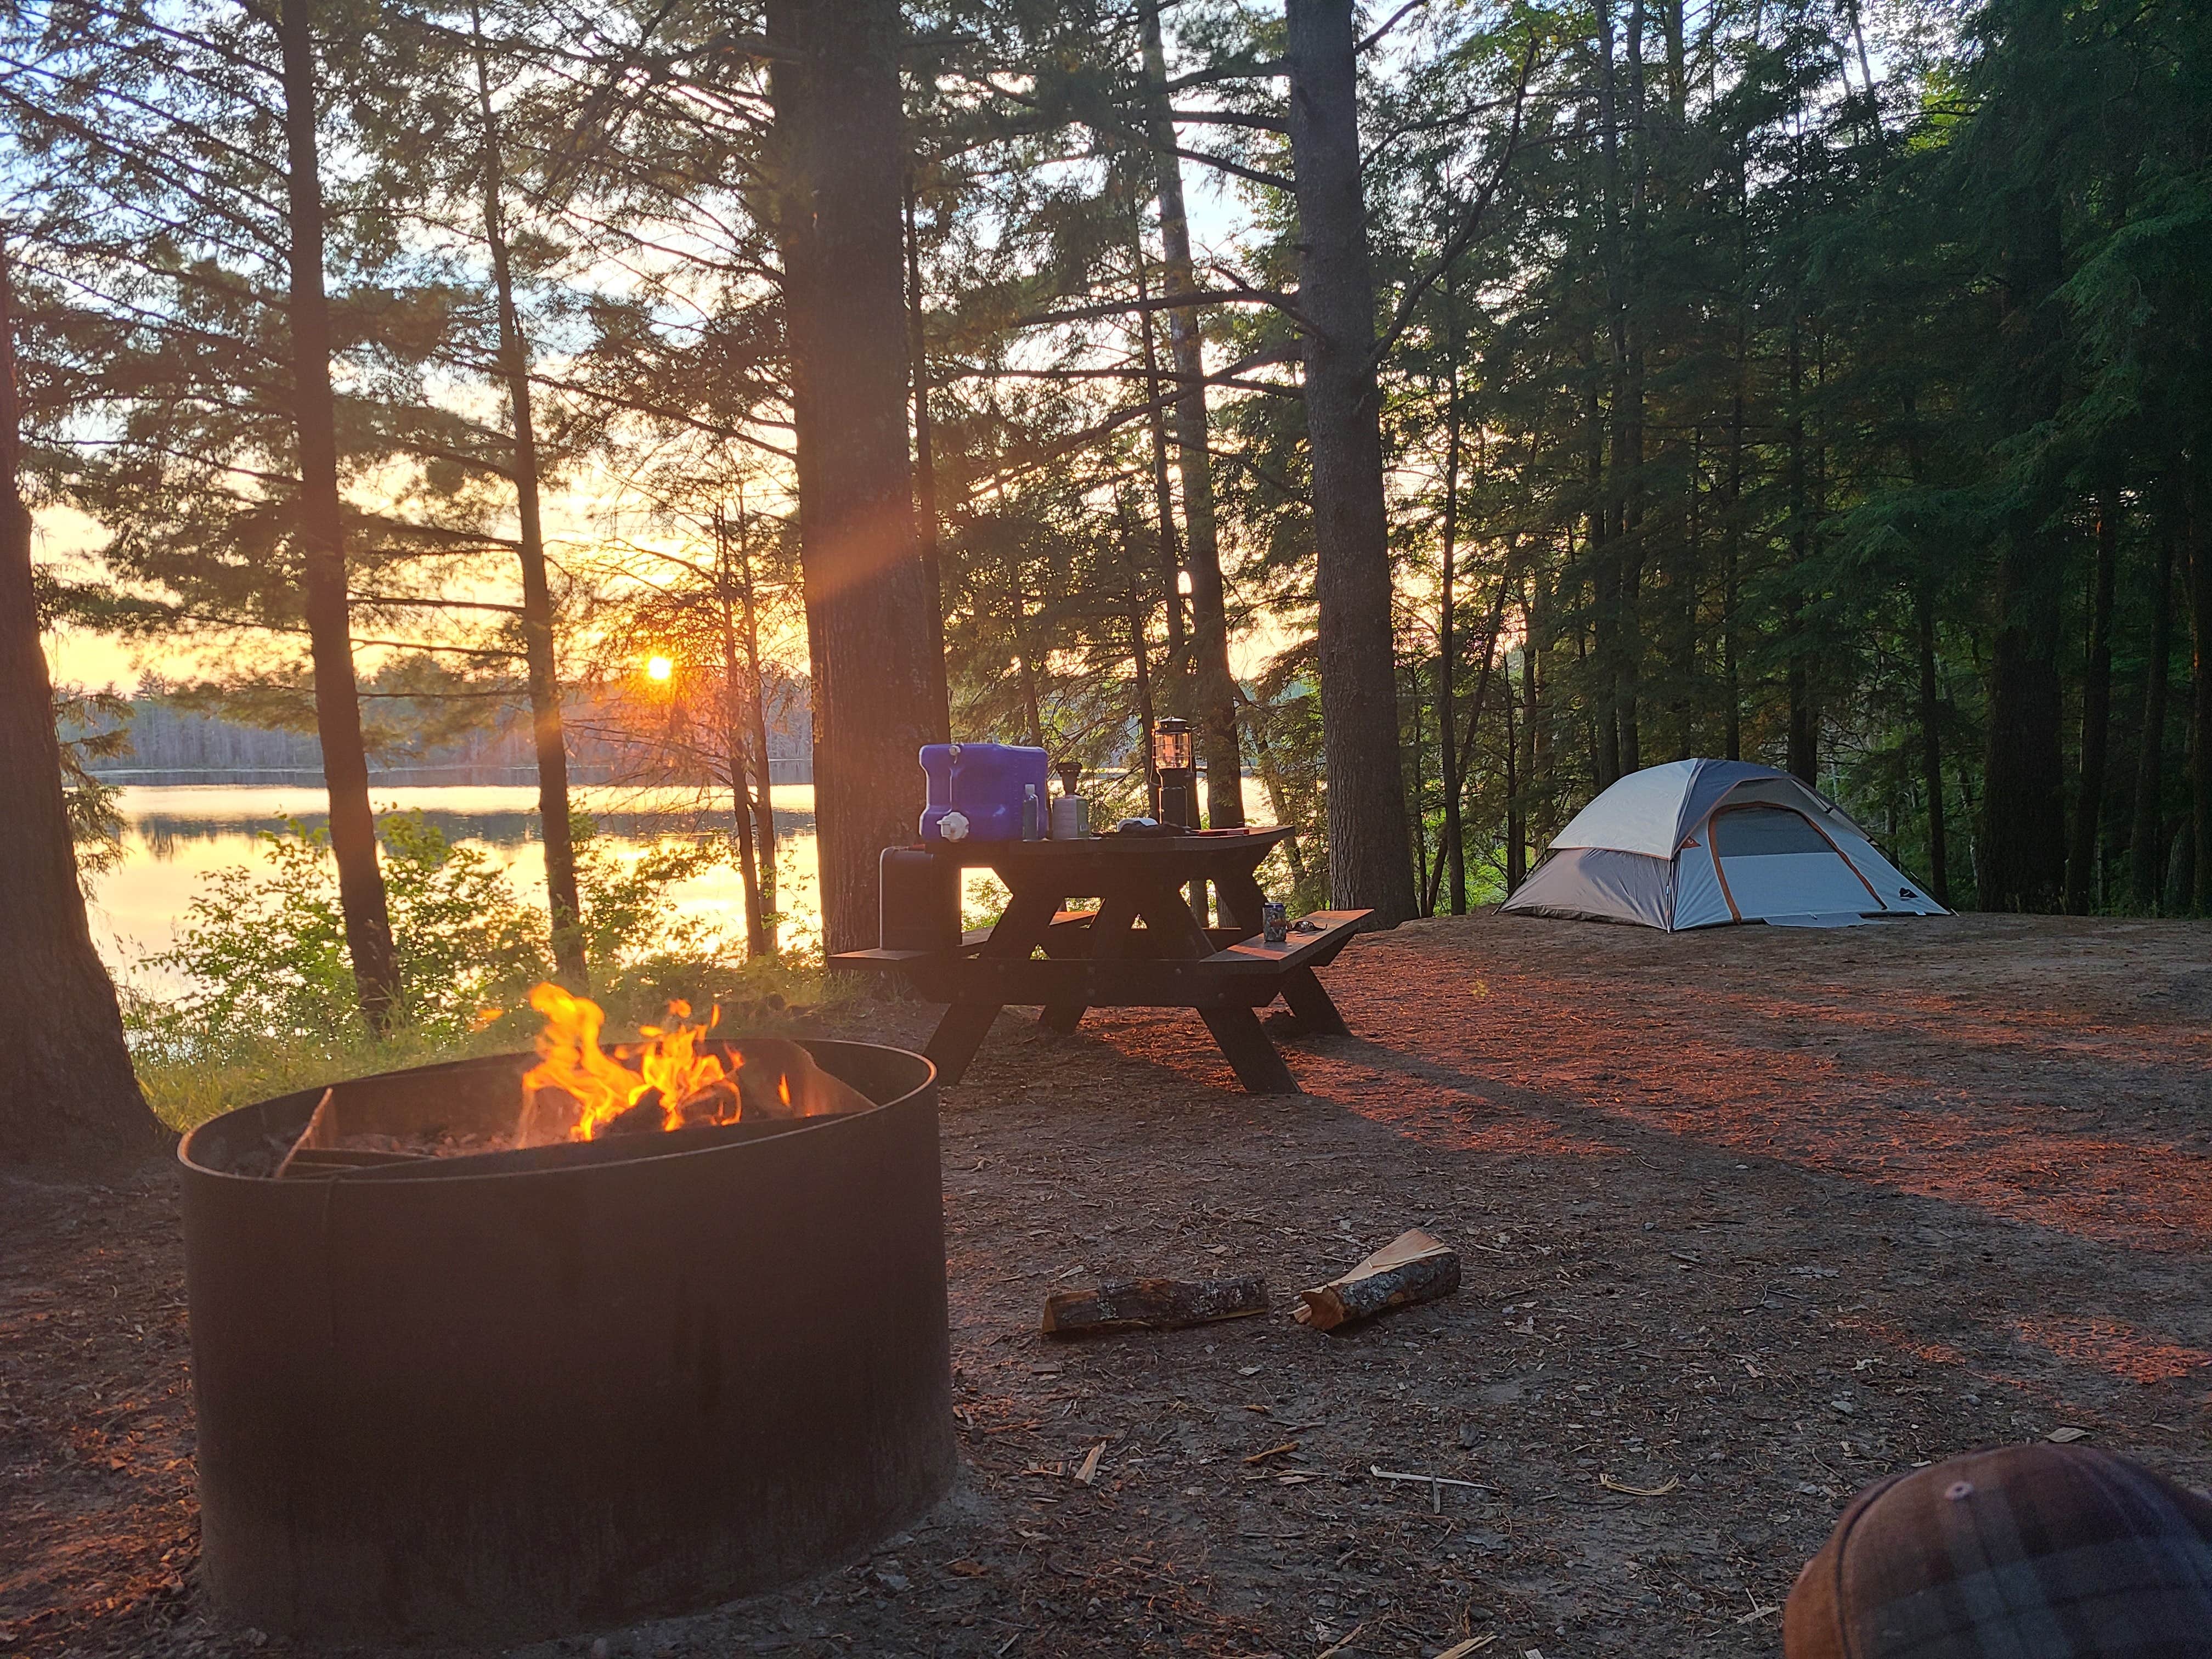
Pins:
x: 1741, y: 832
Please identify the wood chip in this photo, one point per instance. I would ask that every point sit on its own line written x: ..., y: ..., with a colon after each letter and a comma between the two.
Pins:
x: 1472, y: 1645
x: 1089, y: 1471
x: 968, y: 1568
x: 2067, y: 1435
x: 1674, y: 1484
x: 1273, y: 1451
x: 1343, y: 1643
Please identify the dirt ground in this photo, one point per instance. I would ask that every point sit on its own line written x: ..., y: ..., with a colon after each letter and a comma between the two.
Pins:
x: 1753, y: 1216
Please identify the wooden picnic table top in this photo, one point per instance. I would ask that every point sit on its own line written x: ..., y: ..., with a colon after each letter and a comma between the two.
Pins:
x: 1198, y: 853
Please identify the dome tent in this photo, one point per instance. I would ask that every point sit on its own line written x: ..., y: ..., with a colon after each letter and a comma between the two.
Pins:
x: 1700, y: 843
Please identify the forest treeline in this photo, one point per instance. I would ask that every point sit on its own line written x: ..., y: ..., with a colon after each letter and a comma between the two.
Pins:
x: 1447, y: 409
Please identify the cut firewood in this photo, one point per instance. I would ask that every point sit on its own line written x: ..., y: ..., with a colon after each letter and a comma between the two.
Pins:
x: 1411, y: 1267
x: 1153, y: 1304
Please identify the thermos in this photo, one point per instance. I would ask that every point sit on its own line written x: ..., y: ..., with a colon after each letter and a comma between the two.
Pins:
x: 1071, y: 813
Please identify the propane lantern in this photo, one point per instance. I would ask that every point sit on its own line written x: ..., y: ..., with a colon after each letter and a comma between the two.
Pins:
x: 1172, y: 760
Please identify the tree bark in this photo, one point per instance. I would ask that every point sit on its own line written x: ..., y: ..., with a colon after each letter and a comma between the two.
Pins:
x: 737, y: 746
x: 322, y: 542
x: 549, y: 740
x: 66, y: 1088
x: 1931, y: 743
x: 925, y: 477
x: 2147, y: 841
x: 2023, y: 839
x: 2022, y: 846
x: 1371, y: 865
x: 1804, y: 736
x: 763, y: 780
x: 1628, y: 412
x: 1135, y: 606
x: 2200, y: 735
x: 1454, y: 850
x: 841, y: 141
x: 2096, y: 711
x: 1214, y: 689
x: 1174, y: 669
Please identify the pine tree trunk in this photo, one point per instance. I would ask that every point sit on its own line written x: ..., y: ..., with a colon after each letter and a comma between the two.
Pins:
x: 1628, y: 414
x: 1132, y: 591
x: 1732, y: 542
x: 1605, y: 584
x: 1931, y: 744
x: 2023, y: 839
x: 1371, y: 865
x: 2022, y: 845
x: 1453, y: 849
x: 322, y: 543
x: 1515, y: 868
x: 737, y: 747
x: 1214, y: 689
x: 1804, y: 737
x: 546, y: 735
x: 66, y: 1088
x: 2200, y: 735
x: 762, y: 788
x: 2147, y: 841
x: 840, y: 138
x: 2096, y: 711
x: 1174, y: 669
x: 925, y: 477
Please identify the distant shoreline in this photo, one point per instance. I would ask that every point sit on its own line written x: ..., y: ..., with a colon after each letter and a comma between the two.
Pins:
x: 781, y: 770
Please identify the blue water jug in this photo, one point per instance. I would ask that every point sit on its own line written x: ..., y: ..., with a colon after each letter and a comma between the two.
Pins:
x: 976, y: 790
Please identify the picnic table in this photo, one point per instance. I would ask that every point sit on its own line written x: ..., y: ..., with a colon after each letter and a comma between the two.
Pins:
x: 1140, y: 947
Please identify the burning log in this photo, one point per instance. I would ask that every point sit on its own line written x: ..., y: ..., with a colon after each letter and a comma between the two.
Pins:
x: 581, y: 1091
x: 1411, y: 1267
x: 1157, y: 1305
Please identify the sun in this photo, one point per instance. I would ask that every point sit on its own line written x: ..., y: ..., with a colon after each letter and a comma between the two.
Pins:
x: 660, y: 668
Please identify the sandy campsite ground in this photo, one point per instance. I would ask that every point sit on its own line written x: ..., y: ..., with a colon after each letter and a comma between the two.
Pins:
x: 1750, y: 1217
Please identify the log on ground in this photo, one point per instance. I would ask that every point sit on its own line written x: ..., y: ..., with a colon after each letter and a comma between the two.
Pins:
x: 1156, y: 1305
x: 1411, y: 1267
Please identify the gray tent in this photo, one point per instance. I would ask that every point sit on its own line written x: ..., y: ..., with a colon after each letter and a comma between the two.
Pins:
x: 1700, y: 843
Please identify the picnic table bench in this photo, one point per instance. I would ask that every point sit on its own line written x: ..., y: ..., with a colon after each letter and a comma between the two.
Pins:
x: 1141, y: 947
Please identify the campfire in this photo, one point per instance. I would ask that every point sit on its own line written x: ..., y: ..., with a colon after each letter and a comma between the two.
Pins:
x: 580, y: 1091
x: 673, y: 1079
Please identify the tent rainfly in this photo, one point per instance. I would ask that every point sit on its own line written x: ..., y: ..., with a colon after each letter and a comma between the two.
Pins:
x: 1700, y: 843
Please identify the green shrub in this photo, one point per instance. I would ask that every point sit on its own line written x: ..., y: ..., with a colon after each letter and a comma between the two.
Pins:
x: 269, y: 1004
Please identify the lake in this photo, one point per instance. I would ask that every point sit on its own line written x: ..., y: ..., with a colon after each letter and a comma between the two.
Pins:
x: 174, y: 836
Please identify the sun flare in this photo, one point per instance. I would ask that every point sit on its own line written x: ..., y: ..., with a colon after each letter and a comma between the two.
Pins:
x: 660, y: 668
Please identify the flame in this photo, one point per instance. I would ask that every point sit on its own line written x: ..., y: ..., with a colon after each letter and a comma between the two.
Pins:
x: 693, y: 1088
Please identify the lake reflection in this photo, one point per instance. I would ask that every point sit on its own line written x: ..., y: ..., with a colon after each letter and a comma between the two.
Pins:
x: 176, y: 837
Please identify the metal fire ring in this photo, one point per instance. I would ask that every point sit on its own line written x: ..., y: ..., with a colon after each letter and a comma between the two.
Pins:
x: 535, y: 1393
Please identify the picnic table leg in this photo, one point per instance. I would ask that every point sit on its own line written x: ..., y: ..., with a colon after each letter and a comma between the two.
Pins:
x: 1250, y: 1055
x: 1025, y: 924
x: 1311, y: 1003
x: 1117, y: 915
x: 1241, y: 899
x: 1236, y: 1030
x: 959, y: 1034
